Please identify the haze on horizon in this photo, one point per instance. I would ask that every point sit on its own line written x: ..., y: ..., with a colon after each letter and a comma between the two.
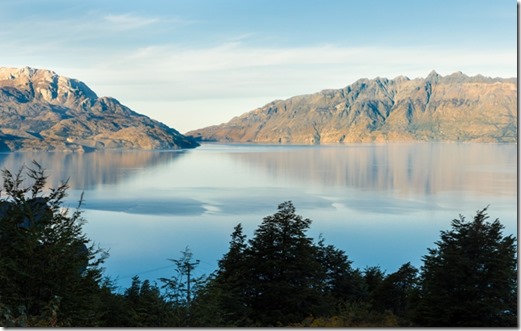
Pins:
x: 195, y: 63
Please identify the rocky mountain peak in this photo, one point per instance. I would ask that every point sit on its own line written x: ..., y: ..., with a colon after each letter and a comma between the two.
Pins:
x: 40, y: 109
x: 433, y: 77
x: 46, y: 85
x: 436, y: 108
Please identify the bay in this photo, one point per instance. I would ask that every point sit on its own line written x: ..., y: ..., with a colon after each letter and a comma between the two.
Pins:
x: 383, y: 204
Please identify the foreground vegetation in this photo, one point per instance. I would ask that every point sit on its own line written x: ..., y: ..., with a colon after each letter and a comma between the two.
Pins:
x: 51, y: 275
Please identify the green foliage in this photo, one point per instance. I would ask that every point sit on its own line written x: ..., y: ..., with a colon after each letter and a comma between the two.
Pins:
x: 373, y: 277
x: 229, y: 289
x: 281, y: 276
x: 146, y: 305
x: 341, y: 283
x: 182, y: 287
x: 283, y: 272
x: 115, y: 310
x: 44, y: 258
x: 470, y: 279
x: 393, y: 294
x: 141, y: 305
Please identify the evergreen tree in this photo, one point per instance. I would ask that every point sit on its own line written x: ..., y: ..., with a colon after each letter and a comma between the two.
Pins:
x: 341, y: 283
x: 145, y: 306
x: 394, y: 292
x: 228, y: 265
x: 116, y: 312
x: 208, y: 307
x: 280, y: 276
x: 230, y: 286
x: 284, y: 274
x: 373, y: 277
x: 470, y: 278
x: 45, y: 260
x: 274, y: 279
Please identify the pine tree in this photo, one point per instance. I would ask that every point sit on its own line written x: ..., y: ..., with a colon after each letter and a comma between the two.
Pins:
x: 282, y: 270
x: 394, y: 292
x: 470, y: 278
x: 373, y: 277
x: 45, y: 259
x: 341, y: 282
x: 230, y: 286
x: 145, y: 306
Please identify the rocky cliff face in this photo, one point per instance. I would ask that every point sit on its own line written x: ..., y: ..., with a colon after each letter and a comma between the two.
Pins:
x: 450, y: 108
x: 40, y: 110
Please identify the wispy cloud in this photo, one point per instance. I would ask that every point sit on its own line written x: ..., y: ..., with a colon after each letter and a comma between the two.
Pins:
x: 234, y: 68
x: 93, y: 30
x: 233, y: 56
x: 168, y: 59
x: 129, y: 21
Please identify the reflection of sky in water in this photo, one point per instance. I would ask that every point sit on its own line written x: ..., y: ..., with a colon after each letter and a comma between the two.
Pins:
x: 144, y: 206
x: 383, y: 204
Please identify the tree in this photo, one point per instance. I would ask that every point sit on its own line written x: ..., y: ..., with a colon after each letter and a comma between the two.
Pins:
x: 394, y: 292
x: 183, y: 287
x: 145, y: 306
x: 470, y: 278
x: 281, y: 277
x: 229, y: 289
x: 284, y: 272
x: 276, y: 278
x: 116, y: 311
x: 341, y: 283
x: 235, y: 256
x: 46, y: 261
x: 373, y: 277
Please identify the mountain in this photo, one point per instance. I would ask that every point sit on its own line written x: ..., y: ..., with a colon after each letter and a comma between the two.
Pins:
x: 40, y: 110
x: 438, y: 108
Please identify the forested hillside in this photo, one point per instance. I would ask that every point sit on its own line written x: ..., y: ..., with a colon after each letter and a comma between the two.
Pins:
x: 51, y: 275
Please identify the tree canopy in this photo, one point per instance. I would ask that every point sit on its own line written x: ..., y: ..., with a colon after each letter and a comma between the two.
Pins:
x: 470, y: 278
x: 48, y: 267
x: 281, y: 276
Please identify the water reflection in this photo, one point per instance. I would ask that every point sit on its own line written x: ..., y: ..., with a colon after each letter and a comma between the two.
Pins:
x: 143, y: 205
x: 382, y: 204
x: 90, y: 170
x: 403, y: 169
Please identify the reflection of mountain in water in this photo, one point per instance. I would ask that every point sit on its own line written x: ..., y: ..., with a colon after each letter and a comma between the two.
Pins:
x: 88, y: 170
x: 415, y: 168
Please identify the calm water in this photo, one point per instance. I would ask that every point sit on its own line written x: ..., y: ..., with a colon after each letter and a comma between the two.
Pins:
x: 383, y: 204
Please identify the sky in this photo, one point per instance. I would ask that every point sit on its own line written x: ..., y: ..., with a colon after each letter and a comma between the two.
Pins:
x: 195, y: 63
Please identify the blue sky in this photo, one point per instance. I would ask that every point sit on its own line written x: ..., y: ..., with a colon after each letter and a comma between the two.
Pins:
x: 196, y: 63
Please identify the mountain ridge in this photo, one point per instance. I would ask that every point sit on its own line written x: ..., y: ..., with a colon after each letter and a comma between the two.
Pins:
x: 41, y: 110
x: 455, y: 107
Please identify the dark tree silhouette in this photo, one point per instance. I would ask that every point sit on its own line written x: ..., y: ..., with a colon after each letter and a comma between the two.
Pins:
x: 48, y: 270
x: 470, y: 278
x: 395, y: 290
x: 182, y: 287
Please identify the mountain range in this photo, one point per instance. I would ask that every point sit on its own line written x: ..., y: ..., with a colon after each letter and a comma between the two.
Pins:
x: 40, y: 110
x: 455, y: 107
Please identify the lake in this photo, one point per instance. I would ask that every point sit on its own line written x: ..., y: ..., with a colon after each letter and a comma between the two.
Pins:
x: 383, y: 204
